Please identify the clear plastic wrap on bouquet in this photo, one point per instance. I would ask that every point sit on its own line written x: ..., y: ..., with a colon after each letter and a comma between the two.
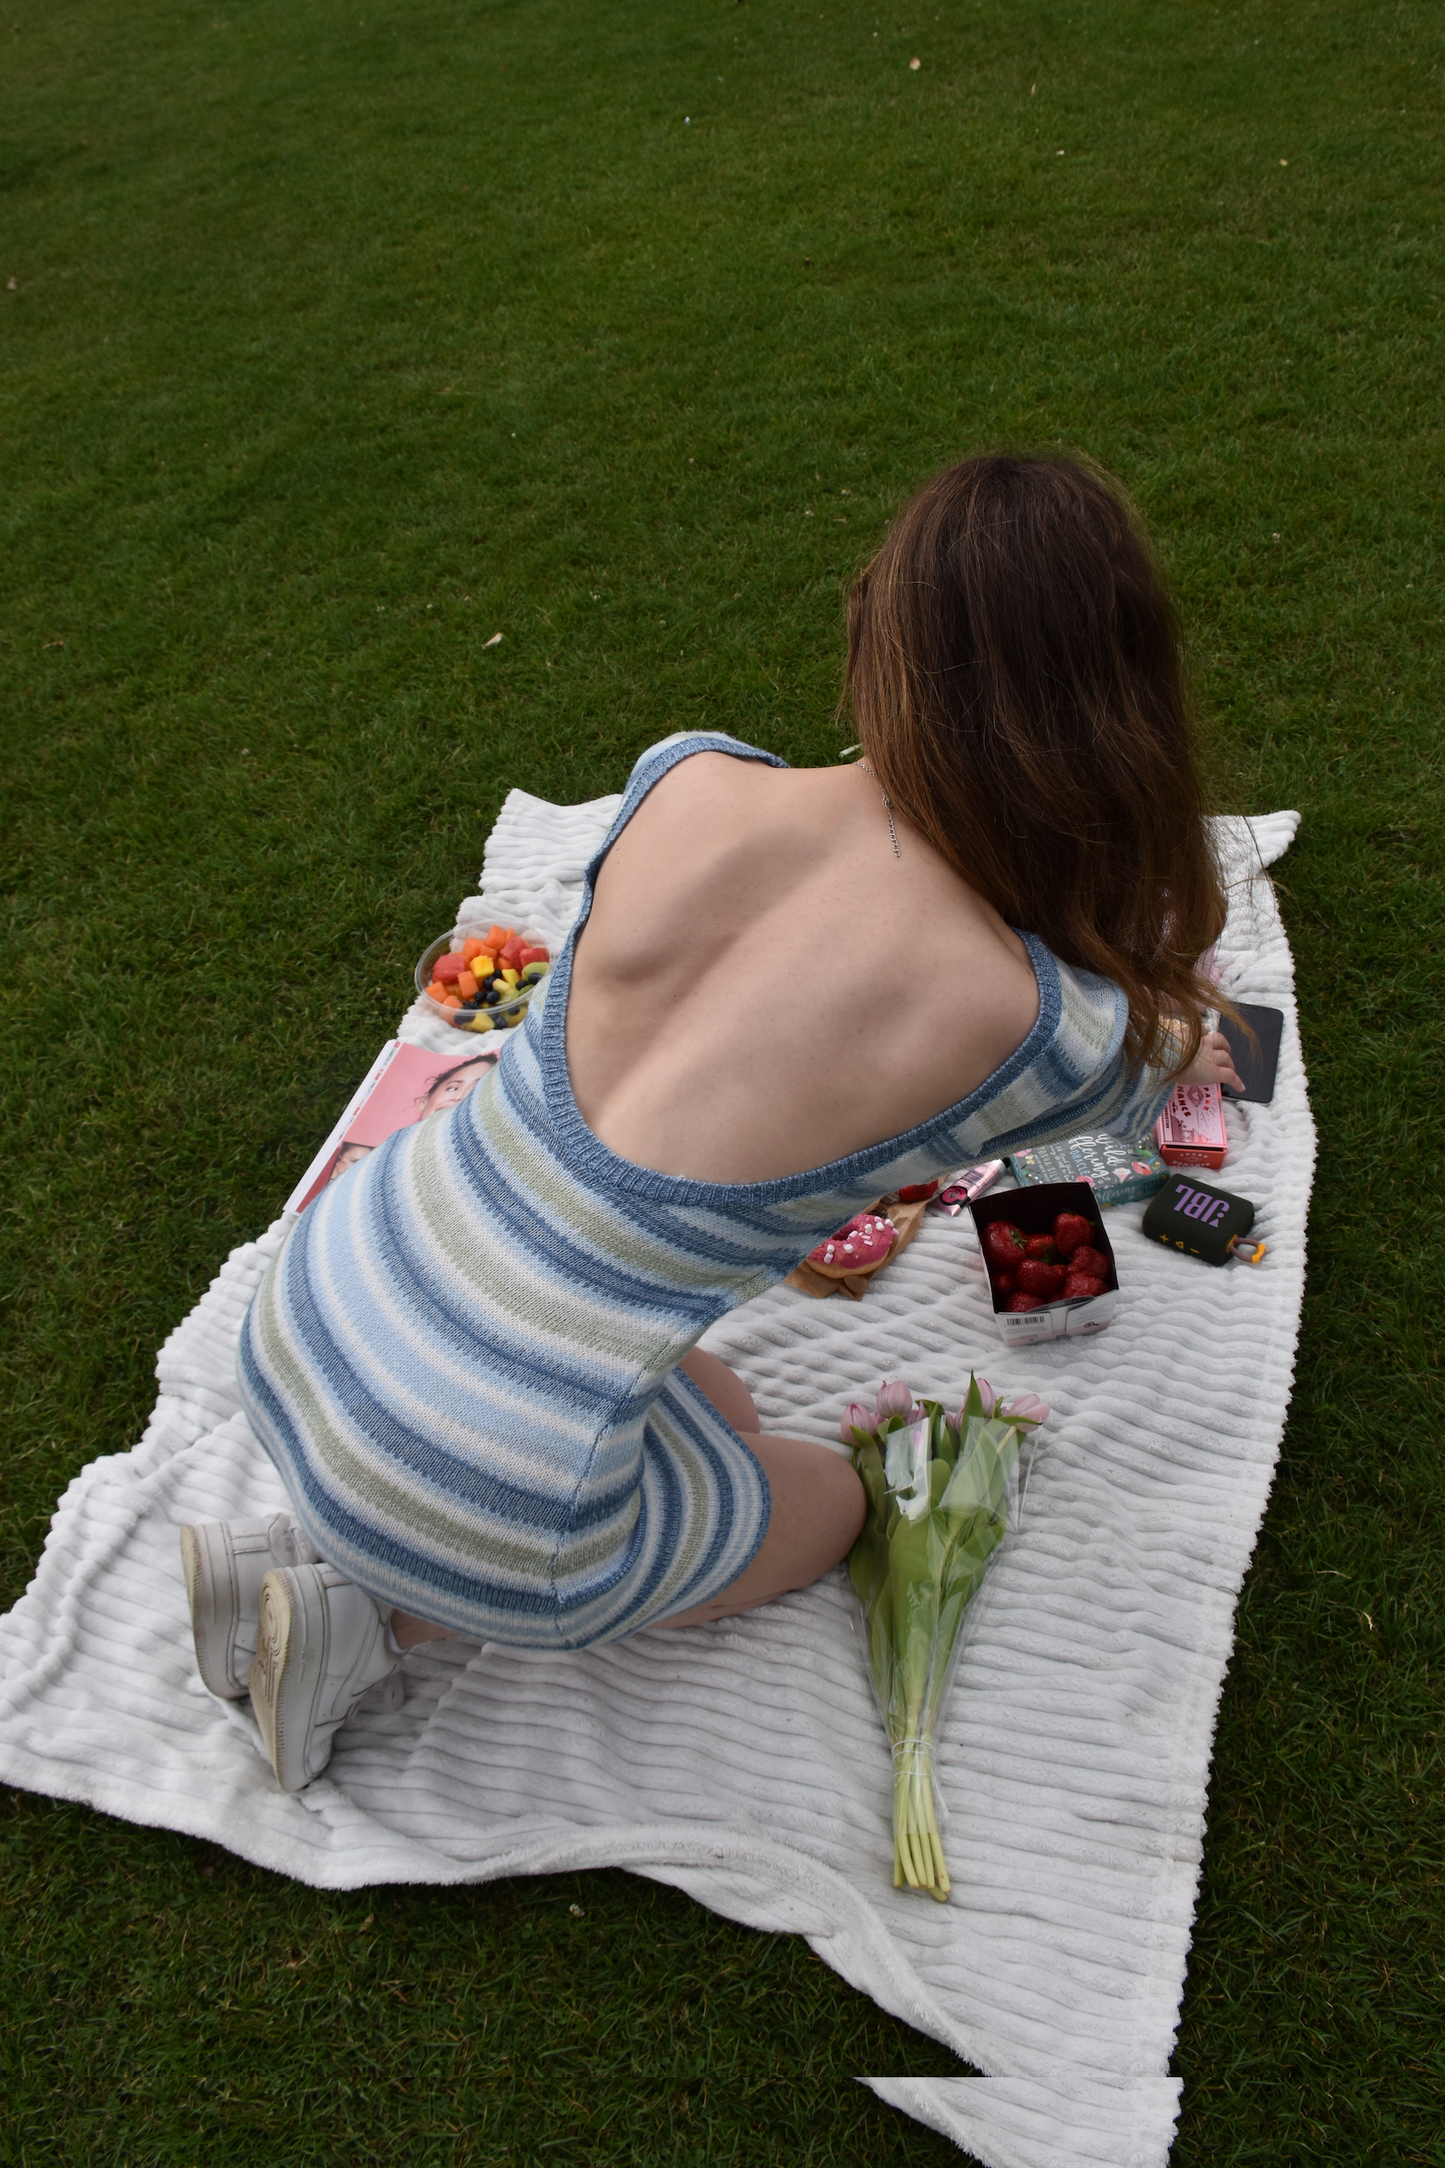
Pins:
x: 943, y: 1494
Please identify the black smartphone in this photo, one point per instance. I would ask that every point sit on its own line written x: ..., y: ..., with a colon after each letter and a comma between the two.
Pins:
x: 1256, y: 1064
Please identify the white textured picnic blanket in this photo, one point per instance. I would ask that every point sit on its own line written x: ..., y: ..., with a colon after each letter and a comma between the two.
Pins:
x: 744, y: 1761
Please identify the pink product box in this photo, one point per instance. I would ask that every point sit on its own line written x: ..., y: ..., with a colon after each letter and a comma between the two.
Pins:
x: 1190, y: 1132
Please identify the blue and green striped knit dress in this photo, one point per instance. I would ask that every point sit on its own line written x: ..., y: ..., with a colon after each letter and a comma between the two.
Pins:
x: 463, y: 1360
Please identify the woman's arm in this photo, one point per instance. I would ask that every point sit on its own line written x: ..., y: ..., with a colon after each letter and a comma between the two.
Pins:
x: 1213, y: 1064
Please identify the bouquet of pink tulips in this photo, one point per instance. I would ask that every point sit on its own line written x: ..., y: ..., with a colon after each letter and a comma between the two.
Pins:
x: 942, y: 1493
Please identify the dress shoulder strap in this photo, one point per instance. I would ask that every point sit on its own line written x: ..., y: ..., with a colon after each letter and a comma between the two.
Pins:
x: 650, y: 767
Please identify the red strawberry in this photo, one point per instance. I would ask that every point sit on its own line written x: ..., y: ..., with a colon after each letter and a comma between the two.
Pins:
x: 1018, y: 1303
x: 1083, y: 1283
x: 1003, y: 1244
x: 1003, y: 1283
x: 916, y: 1192
x: 1037, y: 1278
x: 1070, y: 1229
x: 1042, y: 1246
x: 1093, y: 1262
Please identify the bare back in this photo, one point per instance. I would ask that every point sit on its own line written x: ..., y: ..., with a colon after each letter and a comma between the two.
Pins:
x: 763, y: 986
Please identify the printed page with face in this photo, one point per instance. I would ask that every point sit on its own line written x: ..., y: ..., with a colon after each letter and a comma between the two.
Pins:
x: 403, y: 1085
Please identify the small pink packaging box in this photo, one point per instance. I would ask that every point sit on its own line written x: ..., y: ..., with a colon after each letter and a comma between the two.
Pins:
x: 1190, y: 1132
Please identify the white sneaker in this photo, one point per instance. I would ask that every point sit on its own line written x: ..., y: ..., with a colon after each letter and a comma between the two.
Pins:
x: 225, y: 1563
x: 322, y: 1644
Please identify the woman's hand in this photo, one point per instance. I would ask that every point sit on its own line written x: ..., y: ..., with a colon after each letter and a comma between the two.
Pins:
x: 1213, y: 1064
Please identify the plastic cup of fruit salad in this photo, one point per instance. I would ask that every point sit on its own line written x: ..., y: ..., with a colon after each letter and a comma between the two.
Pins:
x: 481, y: 978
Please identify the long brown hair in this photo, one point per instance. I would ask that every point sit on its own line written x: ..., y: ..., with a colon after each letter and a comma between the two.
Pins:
x: 1016, y: 682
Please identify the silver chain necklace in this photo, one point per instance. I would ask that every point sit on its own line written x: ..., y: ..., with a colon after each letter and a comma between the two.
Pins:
x: 887, y: 807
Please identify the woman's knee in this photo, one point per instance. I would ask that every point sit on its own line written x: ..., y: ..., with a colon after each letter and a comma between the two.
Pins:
x: 848, y: 1502
x: 818, y: 1506
x: 818, y: 1500
x: 724, y: 1388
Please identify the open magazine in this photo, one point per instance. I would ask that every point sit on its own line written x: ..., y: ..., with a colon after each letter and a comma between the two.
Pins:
x: 403, y: 1085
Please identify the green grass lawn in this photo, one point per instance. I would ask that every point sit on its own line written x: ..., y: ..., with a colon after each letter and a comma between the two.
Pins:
x: 335, y: 340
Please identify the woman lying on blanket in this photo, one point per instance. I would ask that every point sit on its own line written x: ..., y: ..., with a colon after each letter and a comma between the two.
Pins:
x: 474, y: 1362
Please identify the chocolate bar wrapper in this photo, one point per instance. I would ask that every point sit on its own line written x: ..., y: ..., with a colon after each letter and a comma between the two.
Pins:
x: 1118, y: 1170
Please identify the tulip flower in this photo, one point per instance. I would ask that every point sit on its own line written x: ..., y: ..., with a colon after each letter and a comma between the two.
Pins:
x: 894, y: 1399
x: 940, y: 1496
x: 1024, y: 1408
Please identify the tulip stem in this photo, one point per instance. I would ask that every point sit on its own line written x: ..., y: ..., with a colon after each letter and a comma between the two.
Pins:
x: 917, y: 1846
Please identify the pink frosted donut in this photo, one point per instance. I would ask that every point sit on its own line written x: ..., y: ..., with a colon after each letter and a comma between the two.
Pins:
x: 858, y: 1247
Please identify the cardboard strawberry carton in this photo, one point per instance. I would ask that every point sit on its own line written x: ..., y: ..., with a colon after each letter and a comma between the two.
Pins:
x: 1190, y: 1132
x: 1056, y: 1223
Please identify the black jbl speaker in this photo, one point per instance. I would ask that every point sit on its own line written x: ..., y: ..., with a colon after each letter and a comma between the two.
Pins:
x: 1188, y: 1215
